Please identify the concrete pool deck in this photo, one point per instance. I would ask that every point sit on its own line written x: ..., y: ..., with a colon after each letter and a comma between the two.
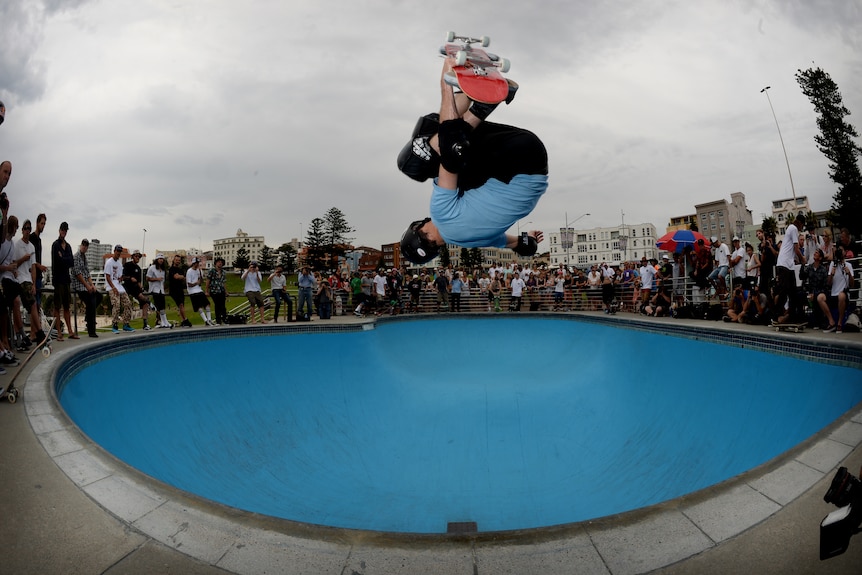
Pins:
x: 67, y: 507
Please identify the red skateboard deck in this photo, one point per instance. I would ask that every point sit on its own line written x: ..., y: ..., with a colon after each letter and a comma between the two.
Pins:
x: 478, y: 74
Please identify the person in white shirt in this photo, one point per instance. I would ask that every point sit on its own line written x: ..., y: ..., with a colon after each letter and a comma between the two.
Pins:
x: 380, y: 289
x: 120, y: 301
x: 737, y: 262
x: 647, y: 278
x: 277, y: 282
x: 252, y: 277
x: 559, y: 290
x: 517, y: 285
x: 200, y: 301
x: 156, y: 281
x: 788, y: 255
x: 722, y: 264
x: 840, y: 280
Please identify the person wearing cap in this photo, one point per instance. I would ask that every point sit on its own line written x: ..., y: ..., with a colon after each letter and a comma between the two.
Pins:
x: 156, y: 274
x: 25, y: 256
x: 488, y: 177
x: 83, y: 285
x: 2, y: 113
x: 62, y: 261
x: 120, y: 302
x: 789, y: 254
x: 199, y: 299
x: 133, y: 282
x: 215, y: 289
x: 177, y: 287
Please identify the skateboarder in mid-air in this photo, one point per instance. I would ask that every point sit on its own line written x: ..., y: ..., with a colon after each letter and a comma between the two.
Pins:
x: 488, y: 176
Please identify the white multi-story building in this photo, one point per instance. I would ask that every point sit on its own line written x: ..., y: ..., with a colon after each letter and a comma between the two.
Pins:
x: 784, y: 211
x: 614, y: 245
x: 227, y: 248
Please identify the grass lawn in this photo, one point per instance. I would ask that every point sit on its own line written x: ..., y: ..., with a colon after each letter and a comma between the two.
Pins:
x: 235, y: 287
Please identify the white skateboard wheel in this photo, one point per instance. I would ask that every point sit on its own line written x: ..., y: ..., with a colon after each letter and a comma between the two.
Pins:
x: 46, y: 352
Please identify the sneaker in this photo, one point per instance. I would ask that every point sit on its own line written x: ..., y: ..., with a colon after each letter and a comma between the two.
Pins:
x: 186, y: 323
x: 357, y: 313
x: 93, y: 334
x: 127, y: 327
x: 10, y: 361
x: 147, y: 327
x: 838, y: 330
x: 830, y: 329
x: 2, y: 371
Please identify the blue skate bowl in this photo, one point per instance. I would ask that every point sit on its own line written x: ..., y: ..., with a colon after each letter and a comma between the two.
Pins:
x: 409, y: 425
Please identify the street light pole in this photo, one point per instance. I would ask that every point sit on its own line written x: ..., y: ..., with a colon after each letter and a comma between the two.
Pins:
x: 768, y: 99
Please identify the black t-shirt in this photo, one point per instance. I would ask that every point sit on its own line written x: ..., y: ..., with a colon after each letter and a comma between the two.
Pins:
x: 176, y: 286
x: 501, y: 152
x: 132, y: 270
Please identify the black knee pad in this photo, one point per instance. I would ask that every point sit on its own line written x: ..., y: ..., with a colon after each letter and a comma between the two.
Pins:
x: 417, y: 159
x: 454, y: 144
x: 427, y: 125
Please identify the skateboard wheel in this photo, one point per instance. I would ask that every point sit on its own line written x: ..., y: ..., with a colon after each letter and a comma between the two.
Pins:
x: 46, y: 351
x: 486, y: 41
x: 460, y: 58
x: 450, y: 35
x: 12, y: 396
x: 505, y: 64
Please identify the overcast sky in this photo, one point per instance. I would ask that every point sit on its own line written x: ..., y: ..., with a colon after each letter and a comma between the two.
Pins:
x: 192, y: 119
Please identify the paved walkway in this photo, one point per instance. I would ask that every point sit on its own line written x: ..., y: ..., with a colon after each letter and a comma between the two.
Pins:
x: 55, y: 518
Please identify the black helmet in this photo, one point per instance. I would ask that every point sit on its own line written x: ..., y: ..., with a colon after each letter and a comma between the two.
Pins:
x: 415, y: 247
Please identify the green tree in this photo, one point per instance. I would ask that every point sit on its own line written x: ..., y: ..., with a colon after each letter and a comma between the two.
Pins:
x: 836, y: 142
x: 335, y: 233
x: 267, y: 259
x: 476, y: 257
x: 287, y: 258
x: 315, y: 245
x: 465, y: 258
x: 445, y: 258
x: 242, y: 260
x: 769, y: 226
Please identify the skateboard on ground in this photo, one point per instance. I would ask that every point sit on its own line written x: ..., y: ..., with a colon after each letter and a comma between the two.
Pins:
x: 477, y: 73
x: 794, y: 327
x: 10, y: 393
